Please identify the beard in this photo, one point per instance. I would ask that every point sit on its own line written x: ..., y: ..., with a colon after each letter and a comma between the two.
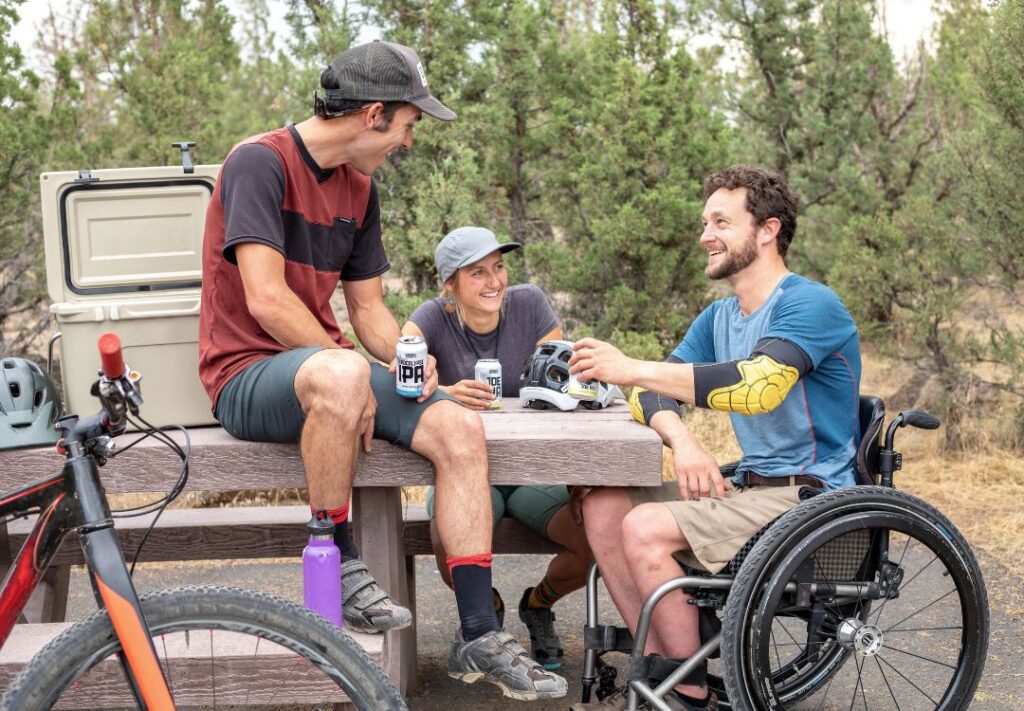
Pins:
x: 734, y: 261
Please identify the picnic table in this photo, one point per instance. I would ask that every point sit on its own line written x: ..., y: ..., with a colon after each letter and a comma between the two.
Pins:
x: 584, y: 447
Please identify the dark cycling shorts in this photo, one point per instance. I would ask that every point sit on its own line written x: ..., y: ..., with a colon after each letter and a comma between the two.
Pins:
x: 532, y: 506
x: 259, y: 404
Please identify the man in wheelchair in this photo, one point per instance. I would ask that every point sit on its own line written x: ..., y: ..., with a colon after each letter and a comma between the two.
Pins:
x: 782, y: 357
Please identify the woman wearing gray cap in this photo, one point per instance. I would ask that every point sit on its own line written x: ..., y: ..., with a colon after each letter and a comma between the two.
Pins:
x: 480, y: 316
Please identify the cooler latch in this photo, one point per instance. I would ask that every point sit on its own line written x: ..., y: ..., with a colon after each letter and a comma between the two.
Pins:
x: 186, y: 157
x: 85, y: 176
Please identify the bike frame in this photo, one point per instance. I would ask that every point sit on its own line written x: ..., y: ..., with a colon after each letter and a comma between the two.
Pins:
x: 76, y: 499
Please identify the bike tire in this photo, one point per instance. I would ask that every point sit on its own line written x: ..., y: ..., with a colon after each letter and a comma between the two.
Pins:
x: 320, y: 658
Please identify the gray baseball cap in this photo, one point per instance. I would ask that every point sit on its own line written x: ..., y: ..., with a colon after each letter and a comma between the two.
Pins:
x: 385, y: 71
x: 466, y: 245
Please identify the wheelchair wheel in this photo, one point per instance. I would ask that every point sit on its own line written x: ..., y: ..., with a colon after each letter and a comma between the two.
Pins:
x: 867, y: 596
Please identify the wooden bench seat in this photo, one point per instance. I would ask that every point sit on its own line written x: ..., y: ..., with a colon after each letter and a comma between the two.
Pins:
x: 590, y: 448
x: 253, y: 532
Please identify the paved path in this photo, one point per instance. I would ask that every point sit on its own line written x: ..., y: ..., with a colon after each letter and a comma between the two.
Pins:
x: 1002, y: 689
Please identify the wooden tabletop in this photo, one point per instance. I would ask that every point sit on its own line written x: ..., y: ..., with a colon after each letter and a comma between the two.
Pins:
x: 525, y: 447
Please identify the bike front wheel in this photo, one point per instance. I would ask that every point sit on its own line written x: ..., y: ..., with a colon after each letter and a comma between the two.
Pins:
x: 218, y: 647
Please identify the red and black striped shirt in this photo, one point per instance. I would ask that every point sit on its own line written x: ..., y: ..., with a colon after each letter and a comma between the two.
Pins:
x: 326, y: 224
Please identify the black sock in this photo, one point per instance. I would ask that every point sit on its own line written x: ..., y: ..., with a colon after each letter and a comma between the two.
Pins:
x: 699, y: 703
x: 474, y: 599
x: 343, y: 540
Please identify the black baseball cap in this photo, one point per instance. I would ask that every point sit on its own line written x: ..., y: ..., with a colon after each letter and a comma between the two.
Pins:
x: 385, y: 71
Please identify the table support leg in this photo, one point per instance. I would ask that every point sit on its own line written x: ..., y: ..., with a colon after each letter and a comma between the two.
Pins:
x: 378, y: 535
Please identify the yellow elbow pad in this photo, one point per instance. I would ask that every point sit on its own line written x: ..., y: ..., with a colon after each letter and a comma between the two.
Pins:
x: 764, y: 383
x: 635, y: 408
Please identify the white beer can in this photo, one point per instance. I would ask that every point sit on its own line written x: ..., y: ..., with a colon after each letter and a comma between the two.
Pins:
x: 488, y: 370
x: 581, y: 389
x: 411, y: 366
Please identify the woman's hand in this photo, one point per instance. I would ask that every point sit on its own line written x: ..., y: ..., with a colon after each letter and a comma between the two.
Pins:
x: 471, y: 393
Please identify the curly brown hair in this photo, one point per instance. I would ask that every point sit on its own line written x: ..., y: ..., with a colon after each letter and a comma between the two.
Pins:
x: 767, y: 196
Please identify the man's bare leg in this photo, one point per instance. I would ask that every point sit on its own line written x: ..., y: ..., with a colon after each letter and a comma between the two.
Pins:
x: 650, y: 535
x: 603, y: 513
x: 333, y: 386
x: 330, y: 437
x: 452, y: 438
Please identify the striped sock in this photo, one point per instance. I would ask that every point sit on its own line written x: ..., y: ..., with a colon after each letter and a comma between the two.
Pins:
x: 342, y: 539
x: 543, y: 596
x: 471, y: 578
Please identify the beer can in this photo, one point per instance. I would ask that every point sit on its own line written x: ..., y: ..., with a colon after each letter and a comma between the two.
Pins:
x: 581, y: 389
x: 411, y: 366
x: 488, y: 370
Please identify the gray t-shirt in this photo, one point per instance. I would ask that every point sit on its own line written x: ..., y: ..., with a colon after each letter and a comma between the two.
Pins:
x: 528, y: 317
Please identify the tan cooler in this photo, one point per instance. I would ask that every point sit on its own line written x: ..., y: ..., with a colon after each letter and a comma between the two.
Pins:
x: 124, y: 254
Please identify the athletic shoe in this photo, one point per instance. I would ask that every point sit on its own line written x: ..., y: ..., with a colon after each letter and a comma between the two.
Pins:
x: 545, y: 646
x: 365, y: 607
x: 497, y: 658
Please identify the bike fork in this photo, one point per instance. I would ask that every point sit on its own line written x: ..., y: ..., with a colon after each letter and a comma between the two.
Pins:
x: 113, y: 588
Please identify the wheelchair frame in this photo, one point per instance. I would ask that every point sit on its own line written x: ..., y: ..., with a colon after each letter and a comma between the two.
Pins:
x: 875, y: 467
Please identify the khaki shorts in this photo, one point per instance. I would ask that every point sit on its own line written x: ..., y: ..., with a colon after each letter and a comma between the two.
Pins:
x: 717, y: 527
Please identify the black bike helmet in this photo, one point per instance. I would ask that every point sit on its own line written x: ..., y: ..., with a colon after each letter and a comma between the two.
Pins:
x: 546, y: 377
x: 545, y: 381
x: 29, y: 405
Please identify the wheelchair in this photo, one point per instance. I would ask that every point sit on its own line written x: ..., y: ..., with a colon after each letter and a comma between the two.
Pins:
x: 864, y: 597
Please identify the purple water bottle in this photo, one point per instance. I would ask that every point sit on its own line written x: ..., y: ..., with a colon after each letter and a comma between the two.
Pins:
x: 321, y: 569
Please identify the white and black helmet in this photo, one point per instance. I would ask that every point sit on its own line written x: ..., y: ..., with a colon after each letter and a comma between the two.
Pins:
x: 545, y: 380
x: 29, y: 405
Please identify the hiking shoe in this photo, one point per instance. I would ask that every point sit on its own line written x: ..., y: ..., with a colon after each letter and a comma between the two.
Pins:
x: 499, y: 608
x: 365, y: 607
x: 497, y: 658
x: 545, y: 646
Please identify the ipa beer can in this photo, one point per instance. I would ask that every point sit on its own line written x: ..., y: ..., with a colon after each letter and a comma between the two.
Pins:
x: 488, y: 370
x: 410, y: 366
x: 581, y: 389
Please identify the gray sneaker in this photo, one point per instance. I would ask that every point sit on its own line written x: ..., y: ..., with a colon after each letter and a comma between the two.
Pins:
x: 497, y: 658
x: 365, y: 607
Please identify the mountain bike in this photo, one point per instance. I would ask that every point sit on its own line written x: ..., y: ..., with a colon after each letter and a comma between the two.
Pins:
x: 206, y: 646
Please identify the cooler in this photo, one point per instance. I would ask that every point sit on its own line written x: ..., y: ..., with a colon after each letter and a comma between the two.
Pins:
x: 124, y: 254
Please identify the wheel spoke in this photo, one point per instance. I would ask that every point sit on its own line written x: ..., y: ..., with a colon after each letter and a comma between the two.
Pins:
x: 824, y: 697
x: 252, y: 677
x: 859, y: 685
x: 927, y: 659
x: 213, y: 677
x: 886, y: 680
x: 167, y: 664
x: 906, y: 678
x: 893, y: 627
x: 903, y: 555
x: 925, y: 629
